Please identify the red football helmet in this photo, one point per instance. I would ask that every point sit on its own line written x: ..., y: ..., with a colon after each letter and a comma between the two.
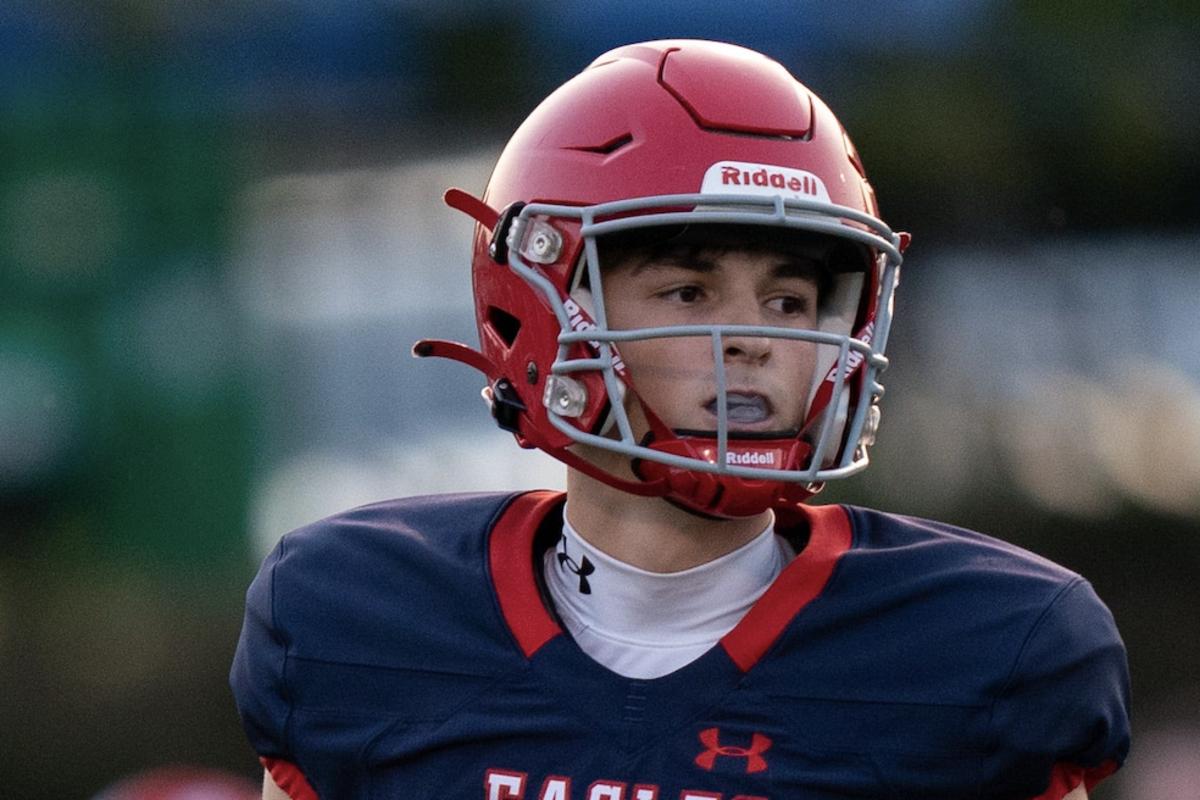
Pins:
x: 674, y: 133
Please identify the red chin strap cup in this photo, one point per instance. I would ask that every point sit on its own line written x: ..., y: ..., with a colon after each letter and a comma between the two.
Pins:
x: 725, y: 496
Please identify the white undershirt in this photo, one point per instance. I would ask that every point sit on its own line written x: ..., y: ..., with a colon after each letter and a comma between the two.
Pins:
x: 645, y: 624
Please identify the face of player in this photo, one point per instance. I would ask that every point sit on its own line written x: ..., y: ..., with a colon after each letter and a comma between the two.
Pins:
x: 767, y: 378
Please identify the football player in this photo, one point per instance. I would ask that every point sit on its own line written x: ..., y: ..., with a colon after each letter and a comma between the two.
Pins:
x: 683, y: 291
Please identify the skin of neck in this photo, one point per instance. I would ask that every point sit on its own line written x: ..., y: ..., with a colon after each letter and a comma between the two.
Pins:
x: 650, y: 533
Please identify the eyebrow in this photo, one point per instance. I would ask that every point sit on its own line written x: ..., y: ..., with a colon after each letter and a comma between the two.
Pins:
x: 786, y: 267
x: 674, y: 261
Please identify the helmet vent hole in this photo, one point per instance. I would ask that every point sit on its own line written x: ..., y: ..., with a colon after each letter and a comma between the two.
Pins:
x: 609, y: 147
x: 504, y: 324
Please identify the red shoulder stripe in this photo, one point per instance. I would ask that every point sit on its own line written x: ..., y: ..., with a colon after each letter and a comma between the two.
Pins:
x: 799, y: 583
x: 287, y: 776
x: 1066, y: 778
x: 510, y: 555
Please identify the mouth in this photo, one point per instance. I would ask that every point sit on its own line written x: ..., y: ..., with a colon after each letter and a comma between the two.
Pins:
x: 743, y: 408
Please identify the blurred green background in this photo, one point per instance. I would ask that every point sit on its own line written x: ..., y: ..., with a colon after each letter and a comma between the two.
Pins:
x: 220, y: 231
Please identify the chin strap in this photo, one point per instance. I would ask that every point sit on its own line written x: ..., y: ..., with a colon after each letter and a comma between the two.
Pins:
x: 722, y: 496
x: 704, y: 493
x: 725, y: 496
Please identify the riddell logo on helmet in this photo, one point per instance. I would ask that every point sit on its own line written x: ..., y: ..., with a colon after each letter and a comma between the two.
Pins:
x: 581, y: 321
x: 855, y: 357
x: 741, y: 177
x: 753, y: 458
x: 732, y: 176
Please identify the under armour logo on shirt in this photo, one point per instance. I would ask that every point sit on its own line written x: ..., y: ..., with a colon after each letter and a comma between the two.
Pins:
x: 580, y: 570
x: 711, y: 739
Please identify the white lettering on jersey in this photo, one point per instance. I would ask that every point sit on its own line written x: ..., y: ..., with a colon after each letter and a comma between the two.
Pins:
x: 606, y: 790
x: 502, y: 784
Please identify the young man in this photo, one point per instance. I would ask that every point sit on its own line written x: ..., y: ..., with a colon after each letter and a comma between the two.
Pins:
x: 683, y: 292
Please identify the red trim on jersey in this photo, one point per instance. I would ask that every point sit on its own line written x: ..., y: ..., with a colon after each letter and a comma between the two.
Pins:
x: 287, y: 776
x: 1066, y: 778
x: 799, y: 583
x: 1093, y: 776
x: 510, y: 555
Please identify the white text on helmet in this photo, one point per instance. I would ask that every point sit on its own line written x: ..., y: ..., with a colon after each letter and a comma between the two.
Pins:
x: 763, y: 180
x: 580, y: 321
x: 854, y: 357
x: 732, y: 176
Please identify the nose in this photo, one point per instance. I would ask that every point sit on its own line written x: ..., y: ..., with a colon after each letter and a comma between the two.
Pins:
x: 746, y: 349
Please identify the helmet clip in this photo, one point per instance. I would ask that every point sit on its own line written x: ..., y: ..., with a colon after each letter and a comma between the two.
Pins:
x: 498, y: 246
x: 506, y: 405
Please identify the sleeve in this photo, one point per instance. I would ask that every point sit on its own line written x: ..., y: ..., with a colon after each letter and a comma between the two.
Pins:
x: 1063, y: 716
x: 258, y: 674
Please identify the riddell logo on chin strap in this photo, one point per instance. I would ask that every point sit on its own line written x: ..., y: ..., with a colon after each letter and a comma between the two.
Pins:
x: 711, y: 739
x: 752, y: 458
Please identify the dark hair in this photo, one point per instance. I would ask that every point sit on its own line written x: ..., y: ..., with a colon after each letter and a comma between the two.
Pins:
x: 828, y: 254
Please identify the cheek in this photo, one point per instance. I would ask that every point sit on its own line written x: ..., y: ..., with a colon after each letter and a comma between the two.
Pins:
x: 657, y: 361
x: 802, y: 360
x: 804, y: 354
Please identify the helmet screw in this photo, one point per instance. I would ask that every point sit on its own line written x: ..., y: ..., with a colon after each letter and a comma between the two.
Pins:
x: 870, y: 427
x: 531, y: 373
x: 564, y: 396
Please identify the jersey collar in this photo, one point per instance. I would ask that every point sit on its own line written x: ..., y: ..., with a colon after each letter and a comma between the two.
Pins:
x: 513, y: 561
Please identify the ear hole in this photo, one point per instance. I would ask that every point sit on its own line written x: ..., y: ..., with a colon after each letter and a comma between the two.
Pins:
x: 504, y: 324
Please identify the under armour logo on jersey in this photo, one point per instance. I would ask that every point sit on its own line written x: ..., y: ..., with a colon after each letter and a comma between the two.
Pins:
x: 579, y: 570
x: 711, y: 739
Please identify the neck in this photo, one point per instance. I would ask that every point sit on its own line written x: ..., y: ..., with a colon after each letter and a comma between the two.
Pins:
x: 650, y: 533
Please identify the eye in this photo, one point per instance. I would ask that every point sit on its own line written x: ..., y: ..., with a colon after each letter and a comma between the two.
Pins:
x: 790, y: 305
x: 686, y: 295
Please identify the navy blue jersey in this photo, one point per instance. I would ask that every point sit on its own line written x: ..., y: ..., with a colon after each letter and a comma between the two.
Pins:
x: 405, y: 650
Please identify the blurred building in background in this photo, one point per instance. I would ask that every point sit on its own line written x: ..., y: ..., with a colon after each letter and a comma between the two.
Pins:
x: 221, y: 231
